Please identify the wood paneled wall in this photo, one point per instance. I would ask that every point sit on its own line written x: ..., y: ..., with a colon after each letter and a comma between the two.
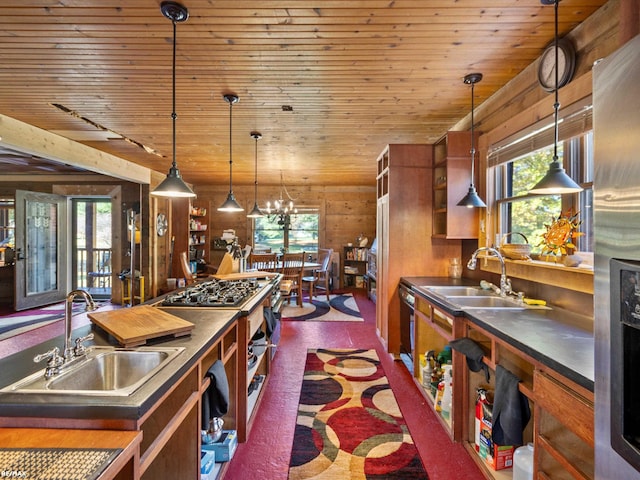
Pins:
x: 345, y: 212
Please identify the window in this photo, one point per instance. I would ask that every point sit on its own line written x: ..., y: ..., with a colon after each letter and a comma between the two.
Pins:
x: 518, y: 163
x: 301, y: 235
x: 7, y: 223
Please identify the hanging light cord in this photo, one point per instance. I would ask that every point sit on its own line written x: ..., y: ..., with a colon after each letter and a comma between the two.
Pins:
x: 556, y: 105
x: 230, y: 145
x: 173, y: 112
x: 255, y: 168
x: 473, y: 145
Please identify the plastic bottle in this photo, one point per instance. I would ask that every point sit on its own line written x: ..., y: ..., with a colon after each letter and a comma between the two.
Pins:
x: 523, y: 462
x: 427, y: 370
x: 445, y: 402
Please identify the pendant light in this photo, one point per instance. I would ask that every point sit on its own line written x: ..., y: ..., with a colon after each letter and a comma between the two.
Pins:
x: 471, y: 199
x: 230, y: 204
x: 556, y: 180
x: 255, y: 211
x: 173, y: 185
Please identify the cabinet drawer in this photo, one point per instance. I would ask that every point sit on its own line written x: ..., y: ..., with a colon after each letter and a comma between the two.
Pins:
x: 574, y: 410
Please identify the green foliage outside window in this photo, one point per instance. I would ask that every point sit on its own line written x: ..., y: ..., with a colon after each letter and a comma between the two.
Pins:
x: 530, y: 214
x: 302, y: 233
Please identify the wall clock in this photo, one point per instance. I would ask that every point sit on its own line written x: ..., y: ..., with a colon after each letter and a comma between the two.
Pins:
x: 566, y: 65
x: 161, y: 224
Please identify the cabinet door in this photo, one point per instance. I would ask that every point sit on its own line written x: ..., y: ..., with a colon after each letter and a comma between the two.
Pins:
x: 381, y: 261
x: 451, y: 180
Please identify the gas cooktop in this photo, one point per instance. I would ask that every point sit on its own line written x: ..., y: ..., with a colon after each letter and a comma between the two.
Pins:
x: 213, y: 293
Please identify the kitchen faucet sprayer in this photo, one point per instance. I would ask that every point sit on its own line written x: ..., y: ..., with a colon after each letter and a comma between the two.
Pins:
x: 505, y: 283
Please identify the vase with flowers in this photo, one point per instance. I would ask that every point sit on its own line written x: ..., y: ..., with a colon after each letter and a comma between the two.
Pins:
x: 558, y: 240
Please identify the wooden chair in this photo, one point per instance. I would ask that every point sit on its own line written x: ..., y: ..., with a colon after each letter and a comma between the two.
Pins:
x: 320, y: 277
x: 189, y: 277
x: 292, y: 270
x: 263, y: 262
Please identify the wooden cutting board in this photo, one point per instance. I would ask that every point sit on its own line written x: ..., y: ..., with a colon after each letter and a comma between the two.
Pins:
x: 243, y: 275
x: 134, y: 326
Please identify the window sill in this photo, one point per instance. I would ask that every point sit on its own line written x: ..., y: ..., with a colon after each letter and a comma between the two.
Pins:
x: 579, y: 279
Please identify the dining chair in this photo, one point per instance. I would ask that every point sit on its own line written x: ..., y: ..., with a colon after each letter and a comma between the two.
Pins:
x: 263, y: 262
x: 321, y: 275
x: 292, y: 270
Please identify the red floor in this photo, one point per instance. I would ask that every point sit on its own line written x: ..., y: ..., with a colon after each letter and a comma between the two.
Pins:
x: 266, y: 454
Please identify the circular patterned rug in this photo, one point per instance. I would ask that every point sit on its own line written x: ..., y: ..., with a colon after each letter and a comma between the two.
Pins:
x: 349, y: 424
x: 341, y: 308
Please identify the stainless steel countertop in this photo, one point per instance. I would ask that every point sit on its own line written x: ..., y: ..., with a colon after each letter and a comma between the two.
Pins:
x: 553, y: 337
x: 210, y: 324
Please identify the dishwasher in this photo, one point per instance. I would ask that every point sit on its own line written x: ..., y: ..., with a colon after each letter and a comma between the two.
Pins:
x: 407, y: 341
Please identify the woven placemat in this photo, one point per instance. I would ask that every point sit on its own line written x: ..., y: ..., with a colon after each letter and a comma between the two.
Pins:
x: 55, y: 463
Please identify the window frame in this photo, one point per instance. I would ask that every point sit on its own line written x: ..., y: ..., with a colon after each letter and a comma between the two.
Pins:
x: 286, y: 234
x: 577, y: 159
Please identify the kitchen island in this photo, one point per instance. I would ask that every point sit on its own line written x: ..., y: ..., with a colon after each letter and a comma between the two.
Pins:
x: 549, y: 350
x: 167, y: 408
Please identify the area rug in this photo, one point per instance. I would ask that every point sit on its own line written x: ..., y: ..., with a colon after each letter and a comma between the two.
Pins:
x: 340, y: 308
x: 20, y: 322
x: 349, y: 424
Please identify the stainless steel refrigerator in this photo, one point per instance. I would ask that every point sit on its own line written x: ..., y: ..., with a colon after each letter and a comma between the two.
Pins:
x: 616, y: 102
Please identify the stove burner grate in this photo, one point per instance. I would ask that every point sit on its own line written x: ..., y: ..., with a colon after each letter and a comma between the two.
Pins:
x: 214, y: 293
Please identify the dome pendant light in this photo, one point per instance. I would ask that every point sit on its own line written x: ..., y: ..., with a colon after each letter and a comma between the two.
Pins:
x: 556, y: 180
x: 255, y: 211
x: 471, y: 199
x: 230, y: 204
x: 173, y: 185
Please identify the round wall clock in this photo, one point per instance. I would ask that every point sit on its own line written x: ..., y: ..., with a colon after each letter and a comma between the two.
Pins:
x: 566, y: 65
x: 161, y: 224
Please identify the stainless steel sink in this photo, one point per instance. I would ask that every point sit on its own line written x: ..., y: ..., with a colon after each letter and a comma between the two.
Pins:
x: 105, y: 371
x: 488, y: 302
x: 458, y: 291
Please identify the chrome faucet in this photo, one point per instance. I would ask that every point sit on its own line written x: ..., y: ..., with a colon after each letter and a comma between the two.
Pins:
x: 505, y: 283
x: 55, y: 361
x: 69, y: 352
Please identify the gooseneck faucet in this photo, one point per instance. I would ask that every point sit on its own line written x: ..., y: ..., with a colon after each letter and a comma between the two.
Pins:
x: 69, y: 351
x: 505, y: 283
x: 55, y: 361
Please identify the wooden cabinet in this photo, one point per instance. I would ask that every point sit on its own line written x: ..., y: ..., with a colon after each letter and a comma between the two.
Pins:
x: 252, y: 373
x: 451, y: 179
x: 564, y: 439
x: 403, y: 232
x: 190, y: 232
x: 561, y: 427
x: 433, y: 330
x: 354, y: 267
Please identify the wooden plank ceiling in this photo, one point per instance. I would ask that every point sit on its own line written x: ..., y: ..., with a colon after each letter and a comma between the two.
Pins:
x: 354, y: 74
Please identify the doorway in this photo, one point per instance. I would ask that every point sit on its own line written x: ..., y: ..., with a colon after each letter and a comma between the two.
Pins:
x: 92, y: 229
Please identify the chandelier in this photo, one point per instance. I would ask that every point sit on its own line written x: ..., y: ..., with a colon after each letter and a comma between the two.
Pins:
x: 282, y: 209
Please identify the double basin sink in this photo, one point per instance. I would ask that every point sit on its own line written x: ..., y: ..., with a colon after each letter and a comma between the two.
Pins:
x: 474, y: 298
x: 108, y: 371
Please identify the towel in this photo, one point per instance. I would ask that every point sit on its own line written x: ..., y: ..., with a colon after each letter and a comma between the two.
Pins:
x: 511, y: 411
x: 215, y: 401
x: 473, y: 352
x: 271, y: 320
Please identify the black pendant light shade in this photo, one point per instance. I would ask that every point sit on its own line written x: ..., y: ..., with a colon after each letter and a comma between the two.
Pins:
x: 556, y: 180
x: 472, y: 199
x: 173, y: 185
x: 255, y: 211
x: 230, y: 204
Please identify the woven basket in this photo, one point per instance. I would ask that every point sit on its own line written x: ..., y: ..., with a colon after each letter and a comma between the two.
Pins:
x: 515, y: 251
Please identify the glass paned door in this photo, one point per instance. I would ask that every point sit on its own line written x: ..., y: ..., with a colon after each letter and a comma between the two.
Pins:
x: 40, y: 249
